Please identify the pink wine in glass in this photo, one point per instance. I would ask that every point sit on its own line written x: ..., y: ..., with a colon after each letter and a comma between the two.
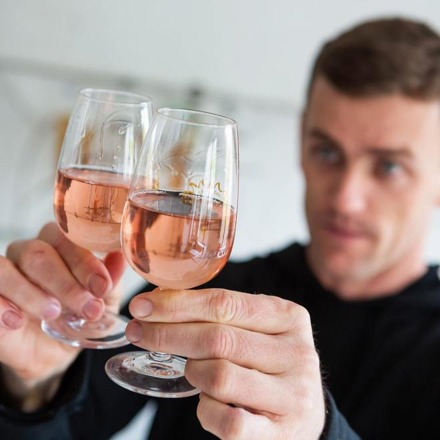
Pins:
x: 88, y: 206
x: 177, y: 240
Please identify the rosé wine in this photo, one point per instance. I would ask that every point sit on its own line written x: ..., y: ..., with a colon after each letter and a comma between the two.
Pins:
x: 177, y: 240
x: 88, y: 207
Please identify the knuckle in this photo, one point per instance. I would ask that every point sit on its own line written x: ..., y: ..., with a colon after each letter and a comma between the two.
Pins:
x: 221, y: 341
x: 292, y: 316
x: 201, y: 414
x: 305, y: 396
x: 229, y: 424
x: 33, y: 256
x: 298, y: 315
x: 311, y: 360
x: 225, y: 306
x: 157, y: 337
x: 305, y: 382
x: 234, y: 424
x: 308, y: 356
x: 221, y: 380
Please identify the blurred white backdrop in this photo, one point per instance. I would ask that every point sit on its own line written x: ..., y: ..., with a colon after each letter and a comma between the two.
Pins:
x: 248, y: 59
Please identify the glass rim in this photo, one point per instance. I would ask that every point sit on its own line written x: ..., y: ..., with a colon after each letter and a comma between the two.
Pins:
x: 104, y: 95
x: 223, y: 121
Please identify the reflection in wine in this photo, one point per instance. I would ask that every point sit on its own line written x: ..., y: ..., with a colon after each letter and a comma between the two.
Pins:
x: 175, y: 239
x: 88, y: 206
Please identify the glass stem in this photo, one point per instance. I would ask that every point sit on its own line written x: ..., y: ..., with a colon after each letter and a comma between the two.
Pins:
x: 160, y: 357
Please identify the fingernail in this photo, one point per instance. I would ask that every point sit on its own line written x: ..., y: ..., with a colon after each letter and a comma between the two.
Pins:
x: 12, y: 319
x: 52, y: 310
x: 98, y: 285
x: 92, y: 308
x: 141, y: 307
x: 134, y: 331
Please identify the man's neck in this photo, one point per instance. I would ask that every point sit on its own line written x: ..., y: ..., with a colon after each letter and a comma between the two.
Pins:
x: 388, y: 282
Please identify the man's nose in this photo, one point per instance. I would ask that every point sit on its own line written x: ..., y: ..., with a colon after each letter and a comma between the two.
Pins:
x: 349, y: 192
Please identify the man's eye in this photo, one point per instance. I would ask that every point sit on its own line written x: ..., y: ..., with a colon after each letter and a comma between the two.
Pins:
x: 389, y: 167
x: 326, y: 153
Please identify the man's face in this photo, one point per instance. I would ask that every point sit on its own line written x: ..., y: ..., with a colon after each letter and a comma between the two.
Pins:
x: 372, y: 171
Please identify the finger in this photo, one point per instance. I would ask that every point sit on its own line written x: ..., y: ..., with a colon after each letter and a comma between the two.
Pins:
x: 43, y: 266
x: 11, y: 317
x: 248, y: 388
x: 89, y: 270
x: 267, y: 353
x: 262, y: 313
x: 229, y: 422
x: 23, y: 295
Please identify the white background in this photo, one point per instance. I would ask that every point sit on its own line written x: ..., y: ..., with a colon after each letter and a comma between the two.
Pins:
x: 249, y: 59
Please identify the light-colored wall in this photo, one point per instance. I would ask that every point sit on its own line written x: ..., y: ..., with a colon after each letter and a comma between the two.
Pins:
x: 247, y: 47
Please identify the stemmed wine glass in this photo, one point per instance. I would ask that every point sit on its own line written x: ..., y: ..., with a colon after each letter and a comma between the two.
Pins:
x: 102, y: 142
x: 178, y: 226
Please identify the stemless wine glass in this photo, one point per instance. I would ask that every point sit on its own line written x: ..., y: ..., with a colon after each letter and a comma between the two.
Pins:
x: 102, y: 142
x: 178, y: 226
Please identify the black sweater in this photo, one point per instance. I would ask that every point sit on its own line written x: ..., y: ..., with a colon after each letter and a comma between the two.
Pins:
x: 380, y: 360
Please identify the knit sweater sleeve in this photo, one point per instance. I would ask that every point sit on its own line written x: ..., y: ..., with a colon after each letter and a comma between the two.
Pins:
x: 87, y: 405
x: 52, y: 422
x: 336, y: 426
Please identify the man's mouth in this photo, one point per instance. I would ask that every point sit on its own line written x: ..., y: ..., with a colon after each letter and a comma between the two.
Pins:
x: 344, y: 232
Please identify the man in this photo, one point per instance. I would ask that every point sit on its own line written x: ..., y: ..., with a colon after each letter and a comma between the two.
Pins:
x: 344, y: 344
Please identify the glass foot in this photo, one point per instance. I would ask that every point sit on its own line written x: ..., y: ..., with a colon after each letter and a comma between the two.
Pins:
x: 153, y: 374
x: 107, y: 332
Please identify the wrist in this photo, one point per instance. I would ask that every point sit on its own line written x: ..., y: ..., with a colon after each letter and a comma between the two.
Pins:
x: 24, y: 395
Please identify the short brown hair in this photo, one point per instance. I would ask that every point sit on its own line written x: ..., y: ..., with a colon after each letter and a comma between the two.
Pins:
x: 382, y: 56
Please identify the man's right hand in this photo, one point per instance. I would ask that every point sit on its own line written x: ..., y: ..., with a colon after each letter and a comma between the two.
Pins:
x: 38, y: 278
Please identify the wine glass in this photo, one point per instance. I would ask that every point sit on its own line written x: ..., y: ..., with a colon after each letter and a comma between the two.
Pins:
x: 100, y: 148
x: 178, y: 226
